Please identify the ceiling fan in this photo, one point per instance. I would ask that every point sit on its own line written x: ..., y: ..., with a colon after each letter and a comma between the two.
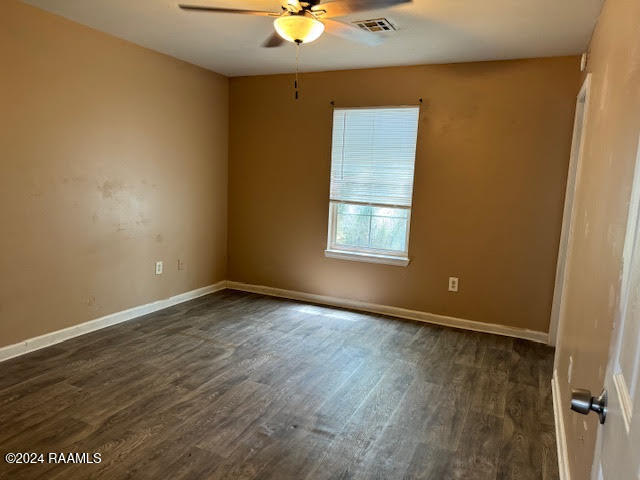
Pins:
x: 304, y: 21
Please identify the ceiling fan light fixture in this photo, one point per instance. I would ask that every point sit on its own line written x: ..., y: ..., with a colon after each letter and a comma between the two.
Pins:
x: 298, y: 28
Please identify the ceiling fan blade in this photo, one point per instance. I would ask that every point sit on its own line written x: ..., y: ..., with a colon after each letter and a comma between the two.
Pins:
x: 199, y: 8
x: 339, y: 8
x: 274, y: 40
x: 351, y: 32
x: 293, y: 5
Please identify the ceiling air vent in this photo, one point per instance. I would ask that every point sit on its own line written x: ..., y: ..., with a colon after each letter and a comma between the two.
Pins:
x: 375, y: 25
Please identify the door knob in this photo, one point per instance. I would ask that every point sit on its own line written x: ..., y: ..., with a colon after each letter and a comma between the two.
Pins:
x: 582, y: 402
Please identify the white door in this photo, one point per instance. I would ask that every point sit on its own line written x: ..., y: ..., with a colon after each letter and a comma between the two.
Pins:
x: 617, y: 455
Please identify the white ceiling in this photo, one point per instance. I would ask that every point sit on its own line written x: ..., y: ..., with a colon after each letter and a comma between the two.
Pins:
x: 429, y: 31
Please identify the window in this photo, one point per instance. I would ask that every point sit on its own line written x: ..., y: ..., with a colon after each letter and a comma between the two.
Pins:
x: 372, y: 160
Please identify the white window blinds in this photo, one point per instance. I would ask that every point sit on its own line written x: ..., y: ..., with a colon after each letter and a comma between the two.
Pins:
x: 373, y: 155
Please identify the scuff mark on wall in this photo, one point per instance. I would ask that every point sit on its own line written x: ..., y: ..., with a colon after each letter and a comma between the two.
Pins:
x: 142, y: 220
x: 108, y: 188
x: 615, y: 236
x: 74, y: 179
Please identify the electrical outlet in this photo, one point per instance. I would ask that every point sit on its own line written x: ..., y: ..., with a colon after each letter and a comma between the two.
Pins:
x: 453, y: 284
x: 180, y: 265
x: 158, y: 268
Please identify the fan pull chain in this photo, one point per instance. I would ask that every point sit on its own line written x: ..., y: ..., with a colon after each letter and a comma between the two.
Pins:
x: 295, y: 82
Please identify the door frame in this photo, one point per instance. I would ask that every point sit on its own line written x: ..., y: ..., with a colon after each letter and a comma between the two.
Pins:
x: 565, y: 247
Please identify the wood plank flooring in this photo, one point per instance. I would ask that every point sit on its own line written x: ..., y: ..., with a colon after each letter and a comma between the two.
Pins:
x: 241, y: 386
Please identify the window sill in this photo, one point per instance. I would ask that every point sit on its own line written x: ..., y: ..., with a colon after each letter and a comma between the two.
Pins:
x: 367, y: 257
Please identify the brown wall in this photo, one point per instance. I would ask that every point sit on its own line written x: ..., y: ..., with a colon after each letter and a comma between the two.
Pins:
x: 492, y: 156
x: 111, y: 157
x: 601, y: 205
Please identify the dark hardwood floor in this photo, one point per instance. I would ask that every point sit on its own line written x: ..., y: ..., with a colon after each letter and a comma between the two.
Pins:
x: 242, y: 386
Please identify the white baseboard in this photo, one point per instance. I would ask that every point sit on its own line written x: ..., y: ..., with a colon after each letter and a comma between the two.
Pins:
x: 561, y: 438
x: 58, y: 336
x: 541, y: 337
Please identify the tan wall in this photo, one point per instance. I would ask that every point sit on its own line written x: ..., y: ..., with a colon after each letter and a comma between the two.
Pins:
x: 111, y: 157
x: 601, y: 205
x: 492, y: 156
